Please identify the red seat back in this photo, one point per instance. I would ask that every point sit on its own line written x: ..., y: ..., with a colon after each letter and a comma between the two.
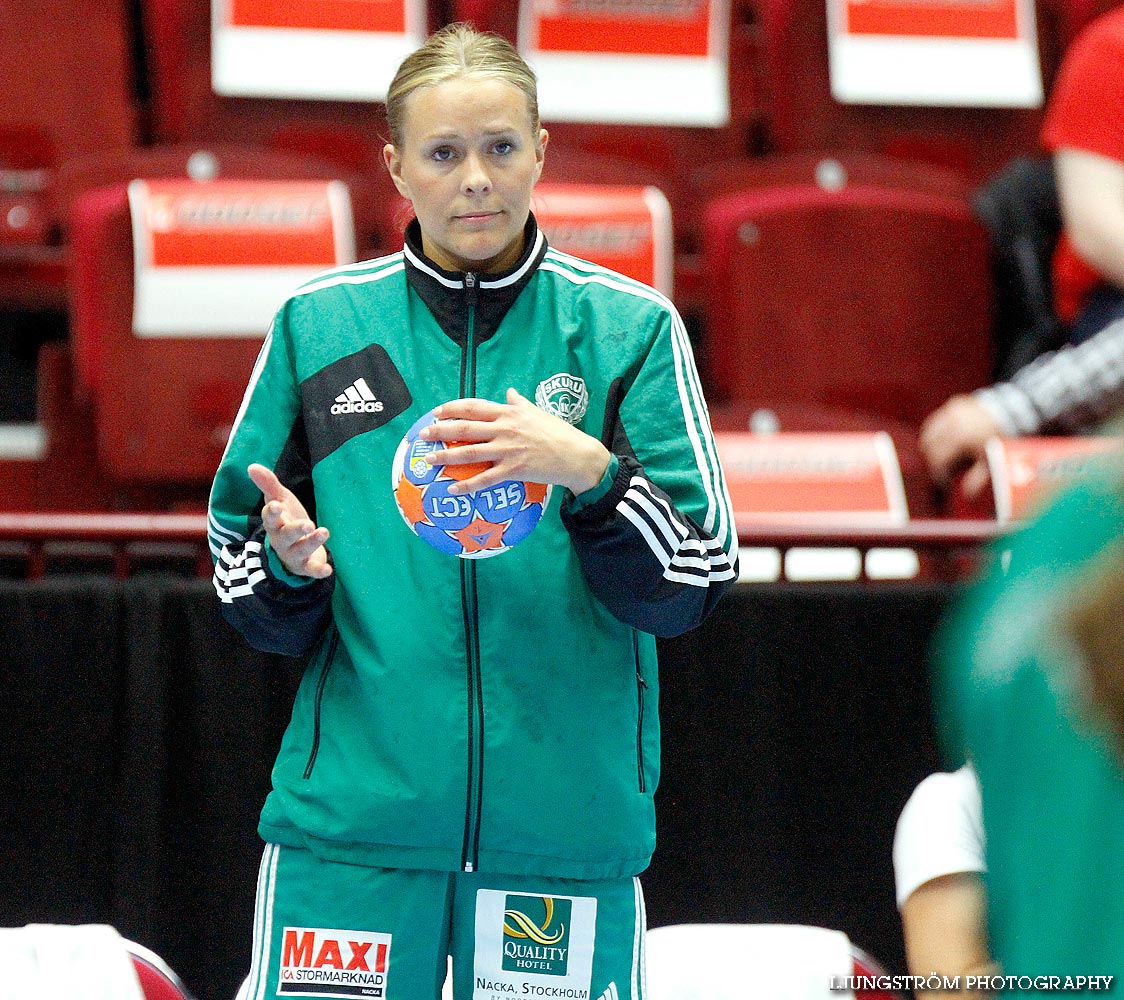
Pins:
x: 163, y: 405
x: 66, y: 90
x: 862, y: 298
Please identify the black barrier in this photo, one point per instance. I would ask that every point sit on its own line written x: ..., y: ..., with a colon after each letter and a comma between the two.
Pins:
x: 137, y: 733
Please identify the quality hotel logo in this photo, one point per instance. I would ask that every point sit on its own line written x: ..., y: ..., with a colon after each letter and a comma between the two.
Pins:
x: 536, y: 934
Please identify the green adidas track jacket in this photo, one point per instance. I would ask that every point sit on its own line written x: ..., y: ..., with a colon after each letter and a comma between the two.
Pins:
x: 455, y: 714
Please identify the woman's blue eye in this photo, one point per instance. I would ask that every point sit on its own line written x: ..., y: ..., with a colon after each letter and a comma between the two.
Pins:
x: 443, y: 153
x: 504, y: 147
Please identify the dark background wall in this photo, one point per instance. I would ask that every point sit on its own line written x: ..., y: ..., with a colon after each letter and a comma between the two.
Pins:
x: 137, y: 734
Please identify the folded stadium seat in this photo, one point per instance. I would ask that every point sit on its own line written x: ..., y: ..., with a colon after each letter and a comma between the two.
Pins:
x: 1025, y: 471
x: 50, y: 112
x: 66, y: 396
x: 804, y: 117
x: 780, y: 961
x: 865, y: 297
x: 568, y: 162
x: 581, y: 153
x: 839, y: 484
x: 829, y: 171
x: 860, y: 305
x: 922, y: 499
x: 604, y: 210
x: 186, y: 109
x: 103, y: 302
x: 665, y: 150
x: 164, y: 343
x: 747, y: 79
x: 227, y: 161
x: 625, y: 228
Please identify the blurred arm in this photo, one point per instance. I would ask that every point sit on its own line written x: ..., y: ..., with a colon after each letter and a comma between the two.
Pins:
x: 944, y: 923
x: 1091, y: 192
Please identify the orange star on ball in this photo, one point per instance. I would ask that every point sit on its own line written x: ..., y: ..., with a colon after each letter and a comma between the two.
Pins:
x: 410, y: 499
x: 478, y: 535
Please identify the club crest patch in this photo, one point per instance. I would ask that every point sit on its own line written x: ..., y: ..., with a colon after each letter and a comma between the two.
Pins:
x: 564, y: 395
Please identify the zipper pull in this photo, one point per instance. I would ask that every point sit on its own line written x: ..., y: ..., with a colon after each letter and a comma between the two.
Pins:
x: 470, y: 288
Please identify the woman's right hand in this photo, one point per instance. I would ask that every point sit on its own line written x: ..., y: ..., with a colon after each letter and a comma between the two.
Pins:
x: 299, y: 544
x: 954, y: 438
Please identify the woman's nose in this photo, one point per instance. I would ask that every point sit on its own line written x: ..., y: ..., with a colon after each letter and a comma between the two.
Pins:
x: 475, y: 179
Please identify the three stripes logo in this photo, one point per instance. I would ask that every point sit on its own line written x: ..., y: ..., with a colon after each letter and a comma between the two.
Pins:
x: 536, y: 934
x: 357, y: 398
x: 610, y: 993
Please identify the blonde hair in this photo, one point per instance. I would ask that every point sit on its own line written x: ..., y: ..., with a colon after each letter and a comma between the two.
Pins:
x: 454, y: 51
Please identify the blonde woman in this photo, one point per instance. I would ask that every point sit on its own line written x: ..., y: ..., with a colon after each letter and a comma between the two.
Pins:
x: 473, y: 753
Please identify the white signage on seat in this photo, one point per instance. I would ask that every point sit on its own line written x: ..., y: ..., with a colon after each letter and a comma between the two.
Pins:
x: 1024, y: 470
x: 217, y: 258
x: 934, y: 52
x: 814, y: 478
x: 345, y: 50
x: 627, y: 229
x: 622, y: 61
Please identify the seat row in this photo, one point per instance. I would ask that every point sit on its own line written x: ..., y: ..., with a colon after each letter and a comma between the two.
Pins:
x: 152, y: 63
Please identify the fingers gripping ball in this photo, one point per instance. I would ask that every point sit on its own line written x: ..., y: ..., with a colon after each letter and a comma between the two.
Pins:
x: 470, y: 525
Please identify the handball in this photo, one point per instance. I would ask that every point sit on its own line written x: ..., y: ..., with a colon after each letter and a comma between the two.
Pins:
x: 469, y: 525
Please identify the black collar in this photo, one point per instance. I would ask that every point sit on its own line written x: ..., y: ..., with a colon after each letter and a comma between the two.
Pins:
x: 448, y: 294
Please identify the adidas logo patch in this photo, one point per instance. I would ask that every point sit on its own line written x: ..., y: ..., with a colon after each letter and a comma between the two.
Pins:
x: 610, y: 993
x: 357, y: 398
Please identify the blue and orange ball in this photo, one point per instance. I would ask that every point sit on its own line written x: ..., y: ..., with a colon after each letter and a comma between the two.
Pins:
x: 469, y: 525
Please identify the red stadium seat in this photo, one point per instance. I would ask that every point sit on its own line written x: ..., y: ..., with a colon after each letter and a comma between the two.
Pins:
x: 841, y: 301
x: 623, y: 227
x: 186, y: 109
x: 866, y: 298
x: 804, y: 117
x: 805, y: 417
x: 50, y: 111
x: 664, y: 150
x: 162, y: 404
x: 826, y: 170
x: 97, y: 301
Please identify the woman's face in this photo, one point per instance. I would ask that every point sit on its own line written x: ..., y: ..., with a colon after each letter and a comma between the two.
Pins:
x: 468, y: 162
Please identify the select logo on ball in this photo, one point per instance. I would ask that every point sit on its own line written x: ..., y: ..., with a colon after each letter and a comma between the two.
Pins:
x: 469, y: 525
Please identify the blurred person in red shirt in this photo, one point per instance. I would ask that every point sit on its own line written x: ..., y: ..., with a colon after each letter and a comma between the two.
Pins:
x: 1076, y: 387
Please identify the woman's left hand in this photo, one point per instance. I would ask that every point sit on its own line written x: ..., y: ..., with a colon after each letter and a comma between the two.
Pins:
x: 520, y: 441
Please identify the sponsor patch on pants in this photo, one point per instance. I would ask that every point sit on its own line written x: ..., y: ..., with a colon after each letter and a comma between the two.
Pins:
x: 318, y: 962
x: 533, y: 946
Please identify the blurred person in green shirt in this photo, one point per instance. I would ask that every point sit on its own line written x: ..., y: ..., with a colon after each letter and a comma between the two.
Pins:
x: 1026, y: 670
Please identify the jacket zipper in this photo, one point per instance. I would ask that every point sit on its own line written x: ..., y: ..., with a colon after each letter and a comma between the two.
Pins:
x: 641, y: 687
x: 470, y: 847
x: 320, y: 684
